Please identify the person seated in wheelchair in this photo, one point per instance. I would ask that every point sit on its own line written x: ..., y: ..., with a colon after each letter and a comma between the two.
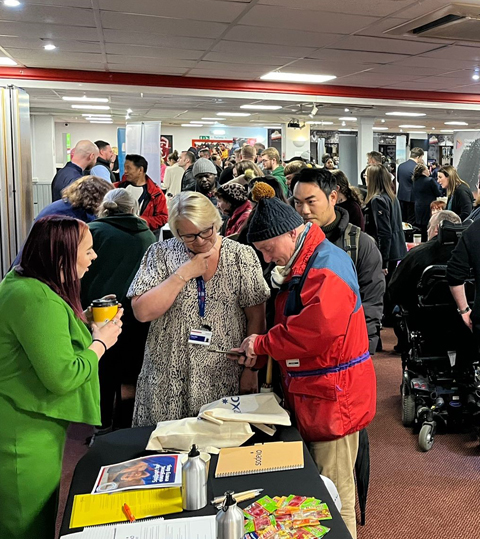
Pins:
x: 403, y: 286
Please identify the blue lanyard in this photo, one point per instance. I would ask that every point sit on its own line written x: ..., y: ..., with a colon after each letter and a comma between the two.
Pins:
x: 201, y: 296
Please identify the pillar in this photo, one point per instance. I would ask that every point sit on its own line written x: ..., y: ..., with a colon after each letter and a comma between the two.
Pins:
x: 364, y: 144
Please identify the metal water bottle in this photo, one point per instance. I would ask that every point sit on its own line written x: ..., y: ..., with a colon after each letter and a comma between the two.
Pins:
x: 230, y: 519
x: 194, y: 481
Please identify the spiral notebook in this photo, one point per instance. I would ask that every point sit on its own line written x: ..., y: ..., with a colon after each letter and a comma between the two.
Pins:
x: 260, y: 458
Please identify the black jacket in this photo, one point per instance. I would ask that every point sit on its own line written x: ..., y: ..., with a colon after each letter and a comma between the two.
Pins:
x: 384, y: 223
x: 370, y: 276
x: 402, y: 288
x: 461, y: 202
x: 425, y: 191
x: 404, y: 179
x: 188, y: 180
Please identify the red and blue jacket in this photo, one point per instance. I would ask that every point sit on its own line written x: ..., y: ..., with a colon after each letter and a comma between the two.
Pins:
x: 322, y: 346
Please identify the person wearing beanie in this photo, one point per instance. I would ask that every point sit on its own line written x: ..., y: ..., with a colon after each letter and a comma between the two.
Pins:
x: 205, y: 174
x: 319, y: 338
x: 232, y: 201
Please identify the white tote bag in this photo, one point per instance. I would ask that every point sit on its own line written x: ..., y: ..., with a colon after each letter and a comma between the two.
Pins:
x: 210, y: 437
x: 259, y: 408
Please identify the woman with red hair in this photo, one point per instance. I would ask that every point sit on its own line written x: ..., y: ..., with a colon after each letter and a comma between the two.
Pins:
x: 48, y: 370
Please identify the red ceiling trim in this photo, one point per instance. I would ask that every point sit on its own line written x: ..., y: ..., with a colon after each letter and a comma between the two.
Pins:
x: 197, y: 83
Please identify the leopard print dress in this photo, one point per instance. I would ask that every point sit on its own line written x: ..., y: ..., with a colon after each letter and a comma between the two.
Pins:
x: 178, y: 378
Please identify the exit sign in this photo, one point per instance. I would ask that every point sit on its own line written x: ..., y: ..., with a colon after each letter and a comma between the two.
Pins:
x: 205, y: 137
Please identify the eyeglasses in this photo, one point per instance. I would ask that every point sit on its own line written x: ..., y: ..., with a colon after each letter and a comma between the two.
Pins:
x: 204, y: 234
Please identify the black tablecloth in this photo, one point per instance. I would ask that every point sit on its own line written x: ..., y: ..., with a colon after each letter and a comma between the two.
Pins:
x: 130, y: 443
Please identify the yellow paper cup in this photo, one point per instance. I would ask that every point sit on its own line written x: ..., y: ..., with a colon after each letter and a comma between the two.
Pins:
x: 103, y: 311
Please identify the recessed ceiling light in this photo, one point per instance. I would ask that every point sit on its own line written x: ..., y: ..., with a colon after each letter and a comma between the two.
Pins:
x: 406, y: 114
x: 296, y: 77
x: 446, y: 130
x: 347, y: 110
x: 319, y: 123
x: 192, y: 125
x: 6, y: 61
x: 261, y: 107
x: 380, y: 128
x: 432, y: 127
x: 213, y: 118
x: 129, y: 111
x: 348, y: 118
x: 233, y: 114
x: 101, y: 121
x: 344, y: 124
x: 193, y: 122
x: 476, y: 76
x: 382, y: 120
x: 455, y: 123
x: 98, y: 115
x: 11, y: 3
x: 86, y: 99
x: 92, y: 107
x: 49, y: 47
x: 408, y: 126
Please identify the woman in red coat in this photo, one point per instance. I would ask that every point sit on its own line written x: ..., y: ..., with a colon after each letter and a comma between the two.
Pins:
x: 232, y: 201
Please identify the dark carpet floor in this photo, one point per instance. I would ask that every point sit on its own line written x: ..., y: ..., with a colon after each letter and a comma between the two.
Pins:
x: 412, y: 494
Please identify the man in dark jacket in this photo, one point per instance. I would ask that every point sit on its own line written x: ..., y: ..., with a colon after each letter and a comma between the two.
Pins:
x: 315, y: 195
x: 151, y: 200
x: 83, y: 157
x: 405, y: 183
x: 186, y: 161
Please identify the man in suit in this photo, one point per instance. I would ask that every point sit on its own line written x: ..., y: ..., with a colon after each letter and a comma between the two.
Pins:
x: 405, y: 183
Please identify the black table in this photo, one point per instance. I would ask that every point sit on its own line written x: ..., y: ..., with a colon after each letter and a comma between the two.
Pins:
x: 130, y: 443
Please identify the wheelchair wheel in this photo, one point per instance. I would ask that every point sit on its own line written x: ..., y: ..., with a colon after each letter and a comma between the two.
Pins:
x: 425, y: 438
x: 408, y: 408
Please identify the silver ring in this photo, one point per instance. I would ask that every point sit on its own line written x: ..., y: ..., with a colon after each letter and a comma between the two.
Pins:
x: 114, y: 322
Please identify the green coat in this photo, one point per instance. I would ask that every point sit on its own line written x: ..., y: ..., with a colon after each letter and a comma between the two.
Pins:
x: 48, y: 377
x: 279, y: 174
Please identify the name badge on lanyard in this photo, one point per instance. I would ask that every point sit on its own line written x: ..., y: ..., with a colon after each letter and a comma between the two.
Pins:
x: 201, y: 336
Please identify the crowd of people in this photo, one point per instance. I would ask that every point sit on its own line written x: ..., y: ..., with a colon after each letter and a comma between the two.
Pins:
x: 267, y: 258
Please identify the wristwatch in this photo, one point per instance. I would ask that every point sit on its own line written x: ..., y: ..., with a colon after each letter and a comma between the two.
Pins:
x: 464, y: 311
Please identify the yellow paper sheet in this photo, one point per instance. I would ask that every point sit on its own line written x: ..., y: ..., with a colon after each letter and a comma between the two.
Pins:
x: 93, y: 509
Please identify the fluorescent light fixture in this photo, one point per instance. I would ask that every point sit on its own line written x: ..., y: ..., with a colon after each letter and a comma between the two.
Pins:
x: 49, y: 47
x: 346, y: 129
x: 193, y: 122
x: 318, y: 122
x: 213, y: 118
x: 101, y: 122
x: 347, y: 110
x: 218, y: 131
x: 97, y: 115
x: 476, y: 76
x: 129, y: 111
x: 261, y: 107
x: 408, y: 126
x: 92, y: 107
x: 192, y: 125
x: 6, y: 61
x: 418, y: 133
x: 380, y: 128
x: 446, y: 130
x: 433, y: 128
x: 11, y: 3
x: 348, y: 119
x: 382, y: 120
x: 87, y: 99
x: 243, y: 114
x: 296, y: 77
x: 455, y: 123
x: 406, y: 114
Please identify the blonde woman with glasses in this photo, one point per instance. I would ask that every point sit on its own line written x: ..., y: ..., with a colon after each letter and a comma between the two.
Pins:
x: 201, y: 293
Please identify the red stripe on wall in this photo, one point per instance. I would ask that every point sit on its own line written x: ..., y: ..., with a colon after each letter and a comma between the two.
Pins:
x: 197, y: 83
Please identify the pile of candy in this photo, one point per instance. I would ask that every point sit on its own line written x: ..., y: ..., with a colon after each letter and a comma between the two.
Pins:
x: 283, y: 517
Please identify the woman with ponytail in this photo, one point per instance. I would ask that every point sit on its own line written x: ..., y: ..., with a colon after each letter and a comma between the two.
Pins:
x: 172, y: 181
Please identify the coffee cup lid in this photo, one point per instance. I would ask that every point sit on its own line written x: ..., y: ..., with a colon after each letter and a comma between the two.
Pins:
x: 104, y: 302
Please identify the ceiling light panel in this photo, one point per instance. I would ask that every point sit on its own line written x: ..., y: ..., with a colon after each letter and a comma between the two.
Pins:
x: 239, y: 114
x: 406, y: 114
x: 296, y: 77
x: 408, y: 126
x: 86, y: 99
x: 91, y: 107
x: 261, y: 107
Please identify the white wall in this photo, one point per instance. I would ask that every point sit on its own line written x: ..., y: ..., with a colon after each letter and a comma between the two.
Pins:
x: 83, y: 131
x: 43, y: 147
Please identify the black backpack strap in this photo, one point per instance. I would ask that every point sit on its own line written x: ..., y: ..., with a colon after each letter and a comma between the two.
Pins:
x: 294, y: 304
x: 351, y: 239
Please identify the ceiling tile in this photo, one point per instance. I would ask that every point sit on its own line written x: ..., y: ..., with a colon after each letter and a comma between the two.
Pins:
x: 262, y: 49
x: 405, y: 70
x: 46, y: 58
x: 162, y: 25
x: 48, y: 31
x: 37, y: 44
x: 383, y: 44
x: 151, y: 52
x: 138, y: 38
x: 455, y: 53
x: 418, y: 9
x: 199, y: 10
x: 245, y: 68
x: 255, y: 34
x: 235, y: 75
x: 354, y: 7
x: 121, y: 60
x: 325, y: 67
x: 440, y: 65
x: 49, y: 15
x: 65, y: 3
x: 252, y: 59
x: 355, y: 56
x: 380, y: 27
x: 117, y: 68
x: 305, y: 20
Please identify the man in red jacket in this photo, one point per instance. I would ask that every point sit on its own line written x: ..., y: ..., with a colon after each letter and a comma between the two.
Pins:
x: 319, y: 339
x: 152, y: 203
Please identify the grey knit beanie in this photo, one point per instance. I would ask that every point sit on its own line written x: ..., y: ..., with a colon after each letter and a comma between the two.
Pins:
x: 271, y: 217
x: 204, y: 166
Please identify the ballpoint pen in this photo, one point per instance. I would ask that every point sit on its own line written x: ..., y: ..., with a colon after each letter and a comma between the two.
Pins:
x: 128, y: 513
